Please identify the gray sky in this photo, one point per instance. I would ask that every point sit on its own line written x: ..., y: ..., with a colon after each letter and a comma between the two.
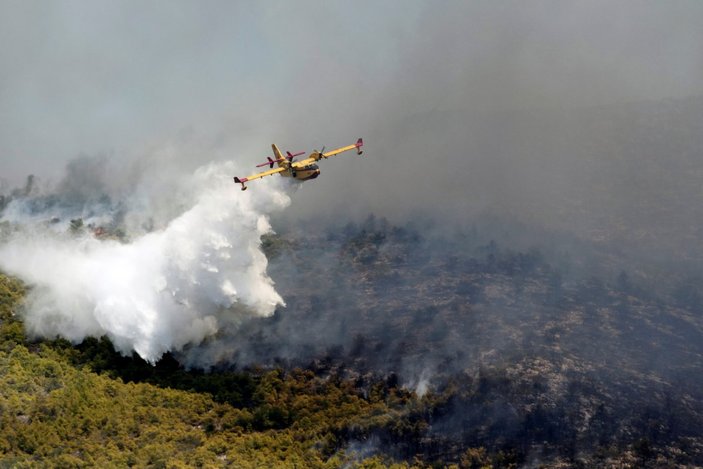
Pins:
x: 113, y: 77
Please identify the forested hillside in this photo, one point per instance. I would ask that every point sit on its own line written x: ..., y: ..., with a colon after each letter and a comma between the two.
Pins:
x: 410, y: 352
x: 88, y: 407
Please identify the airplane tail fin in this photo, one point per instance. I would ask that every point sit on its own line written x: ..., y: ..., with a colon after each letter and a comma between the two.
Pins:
x: 278, y: 156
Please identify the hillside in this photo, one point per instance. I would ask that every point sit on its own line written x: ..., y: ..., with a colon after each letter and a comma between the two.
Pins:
x: 395, y: 347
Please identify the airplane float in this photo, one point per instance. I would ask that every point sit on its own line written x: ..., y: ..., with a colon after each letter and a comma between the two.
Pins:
x: 302, y: 170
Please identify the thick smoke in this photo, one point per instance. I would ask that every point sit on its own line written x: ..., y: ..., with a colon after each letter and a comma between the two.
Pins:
x: 509, y: 109
x: 152, y: 291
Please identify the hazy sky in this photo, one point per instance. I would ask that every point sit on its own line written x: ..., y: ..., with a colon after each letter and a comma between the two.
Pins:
x: 113, y: 77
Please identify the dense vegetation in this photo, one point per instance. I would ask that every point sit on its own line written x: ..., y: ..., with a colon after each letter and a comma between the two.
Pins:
x: 56, y: 409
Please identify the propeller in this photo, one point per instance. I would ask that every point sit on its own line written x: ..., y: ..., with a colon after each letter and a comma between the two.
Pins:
x: 320, y: 153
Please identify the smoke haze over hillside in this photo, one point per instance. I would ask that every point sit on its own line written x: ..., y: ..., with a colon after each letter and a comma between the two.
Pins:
x: 521, y: 242
x: 581, y: 118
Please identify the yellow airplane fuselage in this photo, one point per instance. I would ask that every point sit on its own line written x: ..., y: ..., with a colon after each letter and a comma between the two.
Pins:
x: 303, y: 174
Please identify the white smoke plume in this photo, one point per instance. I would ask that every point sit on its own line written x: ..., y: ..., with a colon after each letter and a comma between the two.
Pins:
x: 159, y: 289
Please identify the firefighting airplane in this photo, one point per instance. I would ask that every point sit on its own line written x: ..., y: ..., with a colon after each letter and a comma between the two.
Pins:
x: 302, y: 170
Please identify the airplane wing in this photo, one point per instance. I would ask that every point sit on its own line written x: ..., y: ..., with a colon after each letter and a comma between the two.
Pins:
x: 257, y: 176
x: 316, y: 156
x: 359, y: 143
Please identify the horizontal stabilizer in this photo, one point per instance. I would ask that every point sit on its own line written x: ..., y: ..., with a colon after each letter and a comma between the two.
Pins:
x: 270, y: 163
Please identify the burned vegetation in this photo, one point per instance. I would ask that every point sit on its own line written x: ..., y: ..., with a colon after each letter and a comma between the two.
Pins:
x: 515, y: 351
